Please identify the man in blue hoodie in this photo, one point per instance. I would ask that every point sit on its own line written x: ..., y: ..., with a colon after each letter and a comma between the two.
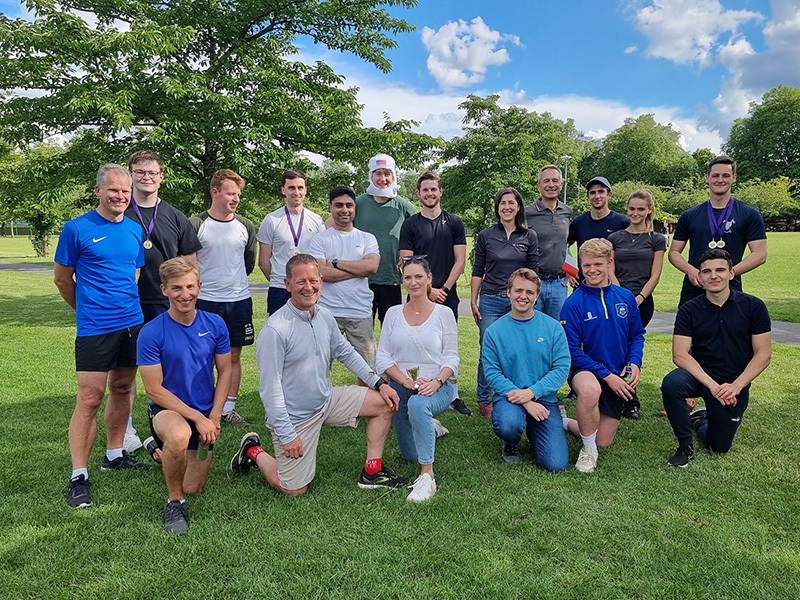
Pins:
x: 606, y: 339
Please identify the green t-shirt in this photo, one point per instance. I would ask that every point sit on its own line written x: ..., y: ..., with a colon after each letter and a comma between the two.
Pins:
x: 384, y: 222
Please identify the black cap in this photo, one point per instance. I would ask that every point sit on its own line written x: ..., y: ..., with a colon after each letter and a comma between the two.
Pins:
x: 601, y: 180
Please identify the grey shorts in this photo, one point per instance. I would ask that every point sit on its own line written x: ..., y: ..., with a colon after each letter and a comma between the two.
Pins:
x: 361, y: 335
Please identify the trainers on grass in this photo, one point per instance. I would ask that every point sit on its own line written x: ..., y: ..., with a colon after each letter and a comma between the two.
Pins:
x: 122, y: 463
x: 78, y: 495
x: 587, y: 460
x: 485, y: 409
x: 562, y: 409
x: 698, y: 415
x: 132, y: 442
x: 439, y: 428
x: 241, y: 463
x: 459, y: 406
x: 682, y: 457
x: 151, y: 446
x: 423, y: 489
x: 234, y: 418
x: 382, y: 479
x: 175, y: 518
x: 511, y: 453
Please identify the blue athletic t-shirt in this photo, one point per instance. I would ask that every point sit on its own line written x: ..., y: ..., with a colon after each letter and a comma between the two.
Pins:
x: 186, y: 354
x: 105, y: 255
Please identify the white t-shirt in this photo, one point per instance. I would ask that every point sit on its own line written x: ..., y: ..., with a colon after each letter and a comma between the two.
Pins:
x: 275, y: 231
x: 351, y: 298
x: 221, y: 260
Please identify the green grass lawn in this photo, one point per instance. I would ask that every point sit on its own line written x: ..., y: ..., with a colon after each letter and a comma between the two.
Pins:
x: 726, y: 527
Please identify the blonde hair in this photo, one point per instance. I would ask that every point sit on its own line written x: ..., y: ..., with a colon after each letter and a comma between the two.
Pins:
x: 597, y: 247
x: 528, y: 274
x: 177, y: 267
x: 647, y: 196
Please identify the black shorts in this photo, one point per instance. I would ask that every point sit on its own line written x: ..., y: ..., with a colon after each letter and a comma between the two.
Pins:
x: 107, y: 351
x: 238, y: 317
x: 610, y: 404
x: 194, y: 439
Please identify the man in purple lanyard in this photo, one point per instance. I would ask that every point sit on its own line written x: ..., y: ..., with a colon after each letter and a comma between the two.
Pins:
x: 721, y: 222
x: 167, y: 234
x: 284, y: 233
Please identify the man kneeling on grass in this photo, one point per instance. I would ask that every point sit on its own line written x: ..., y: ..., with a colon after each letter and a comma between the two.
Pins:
x: 606, y: 340
x: 721, y: 343
x: 526, y: 360
x: 177, y: 354
x: 295, y: 349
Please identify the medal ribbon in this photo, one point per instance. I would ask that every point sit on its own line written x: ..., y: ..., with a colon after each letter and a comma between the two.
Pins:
x: 148, y: 229
x: 295, y: 234
x: 718, y: 225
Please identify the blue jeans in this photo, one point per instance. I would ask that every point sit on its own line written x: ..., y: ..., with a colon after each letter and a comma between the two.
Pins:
x: 717, y: 431
x: 492, y: 307
x: 413, y: 421
x: 547, y: 438
x: 552, y: 297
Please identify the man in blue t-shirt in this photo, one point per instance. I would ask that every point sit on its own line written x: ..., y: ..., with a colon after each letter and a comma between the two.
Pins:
x: 177, y: 354
x: 721, y: 222
x: 97, y: 264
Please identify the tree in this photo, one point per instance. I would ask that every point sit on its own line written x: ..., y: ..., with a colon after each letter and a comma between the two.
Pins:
x: 206, y: 85
x: 35, y: 187
x: 640, y: 150
x: 502, y: 147
x: 766, y: 144
x: 772, y: 198
x: 703, y: 156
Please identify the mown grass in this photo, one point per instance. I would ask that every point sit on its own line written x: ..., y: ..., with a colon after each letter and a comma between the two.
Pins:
x: 726, y: 527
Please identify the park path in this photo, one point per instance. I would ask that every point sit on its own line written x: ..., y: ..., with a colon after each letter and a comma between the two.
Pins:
x: 782, y: 332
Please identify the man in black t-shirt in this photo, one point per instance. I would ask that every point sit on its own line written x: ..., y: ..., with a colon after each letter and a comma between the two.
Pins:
x: 721, y: 343
x: 167, y: 234
x: 441, y: 238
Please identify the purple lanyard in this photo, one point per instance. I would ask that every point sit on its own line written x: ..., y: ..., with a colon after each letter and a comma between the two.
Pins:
x: 718, y: 225
x: 148, y: 229
x: 295, y: 234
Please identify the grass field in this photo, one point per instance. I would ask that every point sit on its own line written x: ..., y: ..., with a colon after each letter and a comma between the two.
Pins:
x: 726, y: 527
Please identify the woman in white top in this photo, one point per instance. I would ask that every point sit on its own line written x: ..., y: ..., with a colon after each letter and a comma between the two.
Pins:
x: 418, y: 352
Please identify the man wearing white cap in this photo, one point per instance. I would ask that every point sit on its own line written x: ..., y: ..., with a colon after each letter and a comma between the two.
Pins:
x: 381, y: 212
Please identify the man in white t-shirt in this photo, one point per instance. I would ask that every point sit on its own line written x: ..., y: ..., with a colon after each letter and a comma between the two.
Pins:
x: 347, y: 257
x: 284, y: 233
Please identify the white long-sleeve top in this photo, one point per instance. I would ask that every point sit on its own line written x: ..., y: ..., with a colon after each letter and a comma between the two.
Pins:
x: 294, y: 352
x: 438, y: 336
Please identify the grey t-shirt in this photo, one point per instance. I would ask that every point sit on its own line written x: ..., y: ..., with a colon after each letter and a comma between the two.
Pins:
x: 633, y: 256
x: 551, y: 229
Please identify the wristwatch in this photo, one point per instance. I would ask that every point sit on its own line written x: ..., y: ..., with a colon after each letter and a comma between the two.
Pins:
x: 335, y: 263
x: 446, y: 289
x: 381, y: 381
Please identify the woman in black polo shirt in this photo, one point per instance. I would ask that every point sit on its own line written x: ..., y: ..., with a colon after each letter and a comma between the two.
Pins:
x: 499, y: 251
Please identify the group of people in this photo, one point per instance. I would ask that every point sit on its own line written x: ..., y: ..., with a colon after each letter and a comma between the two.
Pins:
x: 170, y: 295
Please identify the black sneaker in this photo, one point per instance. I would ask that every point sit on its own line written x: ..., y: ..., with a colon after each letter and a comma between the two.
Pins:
x: 175, y: 518
x: 241, y: 463
x: 511, y: 453
x: 631, y: 409
x: 698, y: 415
x: 151, y: 446
x: 382, y: 479
x: 123, y: 462
x: 459, y: 406
x: 682, y: 457
x: 78, y: 494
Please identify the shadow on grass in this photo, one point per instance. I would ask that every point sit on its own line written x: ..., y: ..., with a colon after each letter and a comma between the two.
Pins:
x: 45, y: 310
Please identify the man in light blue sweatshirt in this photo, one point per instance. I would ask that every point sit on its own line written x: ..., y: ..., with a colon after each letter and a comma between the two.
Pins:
x: 526, y: 360
x: 295, y: 350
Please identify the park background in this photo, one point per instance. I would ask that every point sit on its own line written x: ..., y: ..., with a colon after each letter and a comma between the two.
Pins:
x: 230, y: 85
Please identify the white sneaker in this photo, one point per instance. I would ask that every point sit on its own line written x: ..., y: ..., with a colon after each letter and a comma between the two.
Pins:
x: 439, y: 428
x: 423, y: 489
x: 587, y: 460
x: 132, y: 442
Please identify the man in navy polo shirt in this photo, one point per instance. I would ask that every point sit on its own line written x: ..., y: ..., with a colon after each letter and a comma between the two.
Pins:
x: 96, y: 268
x: 721, y: 343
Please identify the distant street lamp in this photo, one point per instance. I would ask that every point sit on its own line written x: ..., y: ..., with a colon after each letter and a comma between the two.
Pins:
x: 566, y: 158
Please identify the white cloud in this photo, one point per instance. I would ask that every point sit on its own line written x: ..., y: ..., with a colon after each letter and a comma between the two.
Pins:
x: 687, y: 31
x: 631, y: 49
x: 461, y: 52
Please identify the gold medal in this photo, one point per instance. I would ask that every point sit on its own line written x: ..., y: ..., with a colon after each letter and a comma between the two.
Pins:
x: 296, y: 252
x: 712, y: 244
x: 721, y: 244
x: 147, y: 244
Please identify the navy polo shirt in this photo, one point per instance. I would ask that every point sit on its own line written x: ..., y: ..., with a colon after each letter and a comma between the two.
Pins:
x: 722, y: 335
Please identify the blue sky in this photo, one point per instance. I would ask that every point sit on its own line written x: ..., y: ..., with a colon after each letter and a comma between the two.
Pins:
x: 694, y: 64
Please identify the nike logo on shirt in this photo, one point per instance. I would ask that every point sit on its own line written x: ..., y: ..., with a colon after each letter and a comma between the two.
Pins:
x: 95, y: 240
x: 202, y: 333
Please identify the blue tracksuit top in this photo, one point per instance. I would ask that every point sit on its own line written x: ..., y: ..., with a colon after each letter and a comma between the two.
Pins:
x: 603, y: 328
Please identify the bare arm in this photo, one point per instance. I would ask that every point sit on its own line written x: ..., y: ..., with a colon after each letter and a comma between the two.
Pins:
x: 679, y: 262
x: 192, y: 258
x: 474, y: 290
x: 762, y: 355
x: 64, y: 278
x: 265, y: 259
x: 613, y: 272
x: 756, y: 258
x: 361, y: 268
x: 331, y: 275
x: 682, y: 357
